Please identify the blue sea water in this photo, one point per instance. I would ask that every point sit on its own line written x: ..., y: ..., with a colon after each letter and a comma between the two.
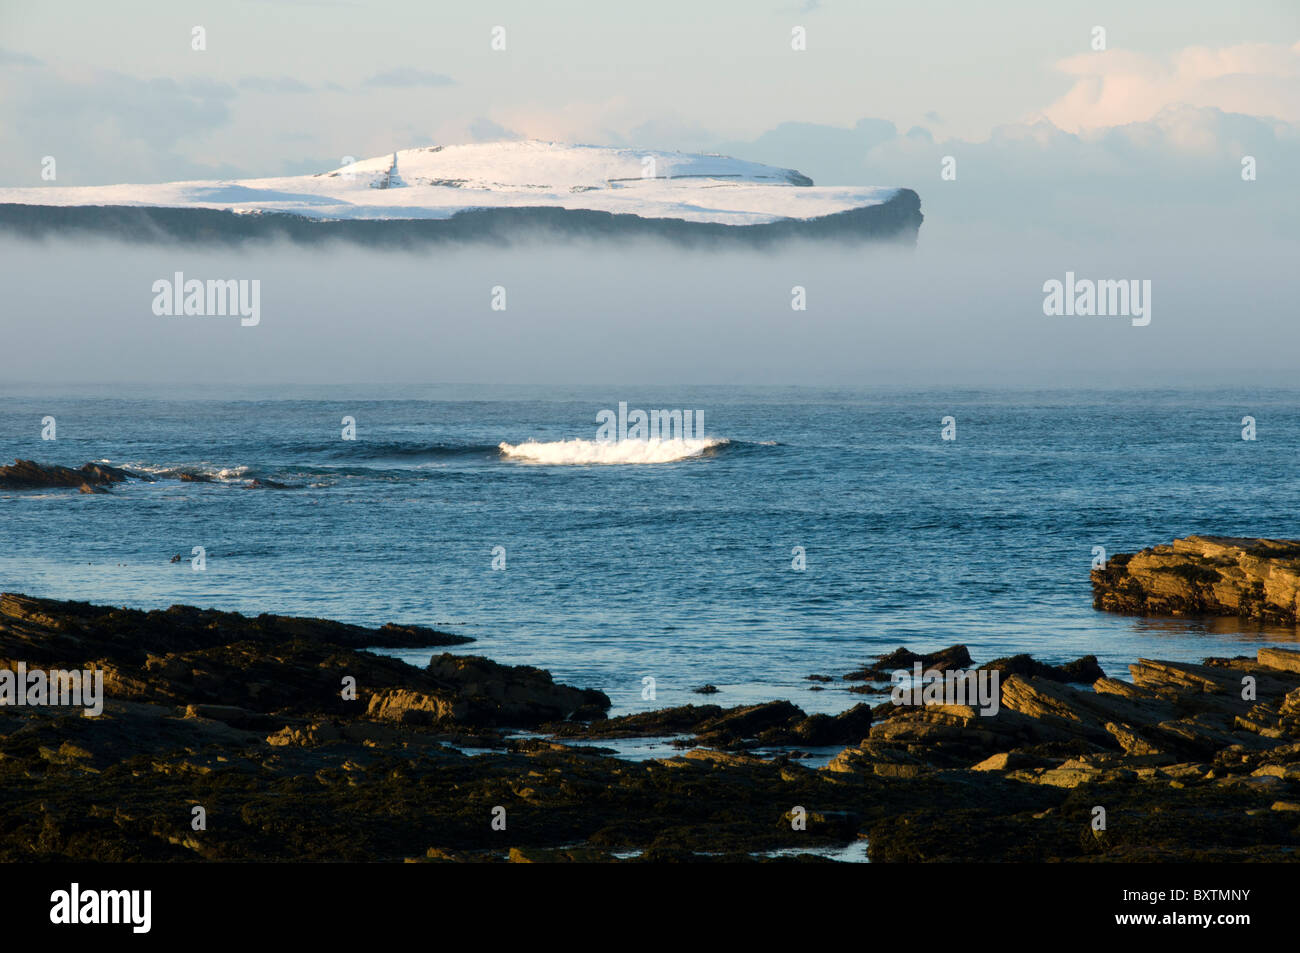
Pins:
x: 680, y: 571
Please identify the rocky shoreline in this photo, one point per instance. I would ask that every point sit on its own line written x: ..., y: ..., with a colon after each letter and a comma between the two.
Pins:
x: 298, y: 744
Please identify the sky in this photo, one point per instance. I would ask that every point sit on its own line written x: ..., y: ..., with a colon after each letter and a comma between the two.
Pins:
x: 1071, y: 149
x: 117, y: 92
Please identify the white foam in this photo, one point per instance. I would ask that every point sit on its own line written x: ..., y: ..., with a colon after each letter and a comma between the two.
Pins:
x: 577, y: 451
x: 173, y: 470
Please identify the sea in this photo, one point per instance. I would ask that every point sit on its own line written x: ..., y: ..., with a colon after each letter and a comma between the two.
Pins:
x: 806, y: 531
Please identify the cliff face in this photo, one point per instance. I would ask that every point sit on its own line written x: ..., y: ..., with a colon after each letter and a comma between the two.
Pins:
x: 1205, y: 575
x: 896, y: 219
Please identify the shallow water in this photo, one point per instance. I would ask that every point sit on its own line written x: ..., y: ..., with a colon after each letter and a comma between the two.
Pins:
x: 679, y: 571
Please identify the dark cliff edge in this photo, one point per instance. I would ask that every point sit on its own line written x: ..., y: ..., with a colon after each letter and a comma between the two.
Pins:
x: 897, y: 220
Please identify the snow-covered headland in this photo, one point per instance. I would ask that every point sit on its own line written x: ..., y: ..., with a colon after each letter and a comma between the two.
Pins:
x: 485, y: 191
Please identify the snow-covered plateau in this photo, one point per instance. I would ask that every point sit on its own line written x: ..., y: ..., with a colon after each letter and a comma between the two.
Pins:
x: 483, y: 190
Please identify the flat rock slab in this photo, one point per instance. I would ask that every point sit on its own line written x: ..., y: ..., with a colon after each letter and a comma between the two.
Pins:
x: 1207, y: 576
x: 1287, y: 660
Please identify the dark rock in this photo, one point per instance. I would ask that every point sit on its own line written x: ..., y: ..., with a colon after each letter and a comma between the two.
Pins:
x: 232, y: 715
x: 749, y: 722
x: 1081, y: 671
x: 706, y: 690
x: 89, y: 478
x: 746, y: 726
x: 817, y: 730
x: 951, y: 659
x: 102, y: 473
x: 870, y: 689
x: 476, y: 691
x: 50, y: 631
x: 664, y: 722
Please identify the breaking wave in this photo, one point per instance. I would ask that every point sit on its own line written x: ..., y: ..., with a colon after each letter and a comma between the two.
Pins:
x: 203, y: 471
x: 578, y: 451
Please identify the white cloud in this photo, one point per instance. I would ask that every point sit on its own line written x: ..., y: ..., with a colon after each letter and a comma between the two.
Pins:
x: 105, y: 126
x: 1116, y: 87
